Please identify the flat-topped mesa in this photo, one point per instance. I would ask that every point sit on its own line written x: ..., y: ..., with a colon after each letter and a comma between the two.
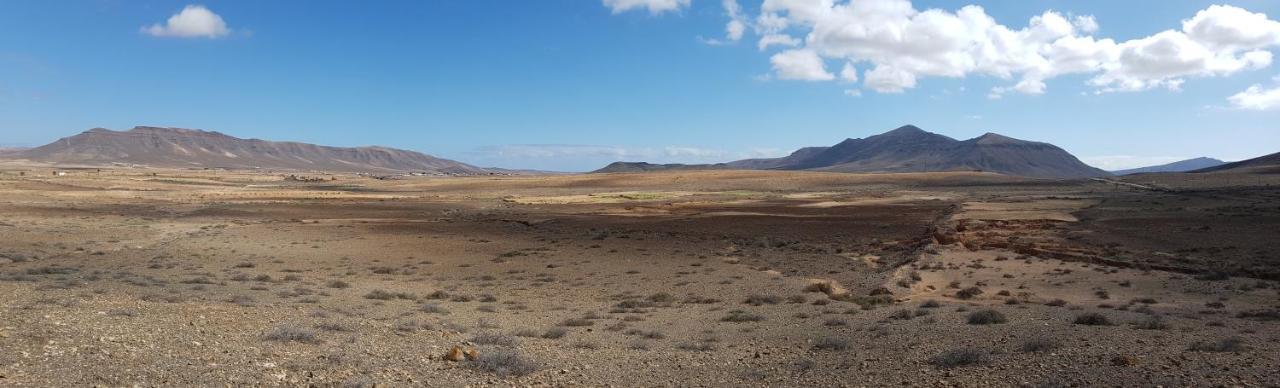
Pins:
x: 195, y: 148
x: 175, y: 131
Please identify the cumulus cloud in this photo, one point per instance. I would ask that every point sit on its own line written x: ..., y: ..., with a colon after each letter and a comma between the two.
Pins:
x: 777, y: 40
x: 1085, y: 23
x: 889, y: 79
x: 654, y: 6
x: 194, y: 21
x: 849, y: 73
x: 900, y: 45
x: 737, y: 20
x: 1221, y: 27
x: 1257, y: 98
x: 1166, y: 58
x: 804, y: 65
x: 694, y: 153
x: 734, y: 29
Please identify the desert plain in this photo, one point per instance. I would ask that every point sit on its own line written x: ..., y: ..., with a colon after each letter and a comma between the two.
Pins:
x: 154, y: 277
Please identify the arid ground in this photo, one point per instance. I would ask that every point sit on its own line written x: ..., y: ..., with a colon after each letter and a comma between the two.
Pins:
x: 121, y: 277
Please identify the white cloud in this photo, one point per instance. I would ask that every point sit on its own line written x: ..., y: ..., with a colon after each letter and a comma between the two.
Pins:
x: 1257, y: 98
x: 734, y: 30
x: 737, y: 21
x: 765, y: 153
x: 804, y: 65
x: 694, y: 152
x: 849, y: 73
x: 1164, y: 59
x: 888, y: 79
x: 1221, y: 27
x: 712, y: 41
x: 1085, y: 23
x: 853, y: 92
x: 901, y: 45
x: 194, y: 21
x: 654, y: 6
x: 777, y: 40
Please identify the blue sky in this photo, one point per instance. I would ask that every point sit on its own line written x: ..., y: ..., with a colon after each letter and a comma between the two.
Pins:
x: 574, y: 84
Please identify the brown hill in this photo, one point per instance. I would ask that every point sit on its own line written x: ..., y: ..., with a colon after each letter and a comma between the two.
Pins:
x: 645, y: 167
x: 191, y: 148
x: 1268, y: 164
x: 10, y: 150
x: 1199, y: 163
x: 911, y: 149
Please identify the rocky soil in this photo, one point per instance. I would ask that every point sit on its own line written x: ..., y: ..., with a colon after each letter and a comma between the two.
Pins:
x: 711, y: 278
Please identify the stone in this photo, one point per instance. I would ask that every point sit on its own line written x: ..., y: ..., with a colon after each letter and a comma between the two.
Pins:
x: 1124, y: 360
x: 826, y: 286
x: 455, y: 354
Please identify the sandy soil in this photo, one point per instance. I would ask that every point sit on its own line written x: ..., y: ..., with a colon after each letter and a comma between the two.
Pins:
x: 142, y: 277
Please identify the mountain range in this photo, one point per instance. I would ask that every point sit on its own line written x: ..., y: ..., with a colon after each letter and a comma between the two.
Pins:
x: 905, y: 149
x: 1266, y: 164
x: 1179, y: 166
x: 10, y: 150
x: 192, y: 148
x: 911, y: 149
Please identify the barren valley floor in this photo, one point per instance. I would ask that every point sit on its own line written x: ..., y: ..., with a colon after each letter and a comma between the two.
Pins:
x: 711, y: 278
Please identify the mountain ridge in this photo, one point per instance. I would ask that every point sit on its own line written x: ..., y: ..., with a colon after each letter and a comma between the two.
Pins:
x: 1269, y: 163
x: 1178, y: 166
x: 194, y: 148
x: 911, y: 149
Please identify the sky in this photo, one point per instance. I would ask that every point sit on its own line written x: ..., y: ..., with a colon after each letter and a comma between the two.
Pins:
x: 572, y: 85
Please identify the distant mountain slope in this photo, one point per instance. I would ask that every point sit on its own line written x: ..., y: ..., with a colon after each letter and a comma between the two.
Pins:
x: 1179, y: 166
x: 643, y: 167
x: 1264, y: 164
x: 911, y: 149
x: 187, y: 148
x: 11, y: 150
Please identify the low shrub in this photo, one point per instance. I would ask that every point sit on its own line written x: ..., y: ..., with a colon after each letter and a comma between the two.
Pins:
x: 986, y: 317
x: 960, y: 358
x: 505, y: 362
x: 1233, y: 344
x: 291, y: 334
x: 1092, y: 319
